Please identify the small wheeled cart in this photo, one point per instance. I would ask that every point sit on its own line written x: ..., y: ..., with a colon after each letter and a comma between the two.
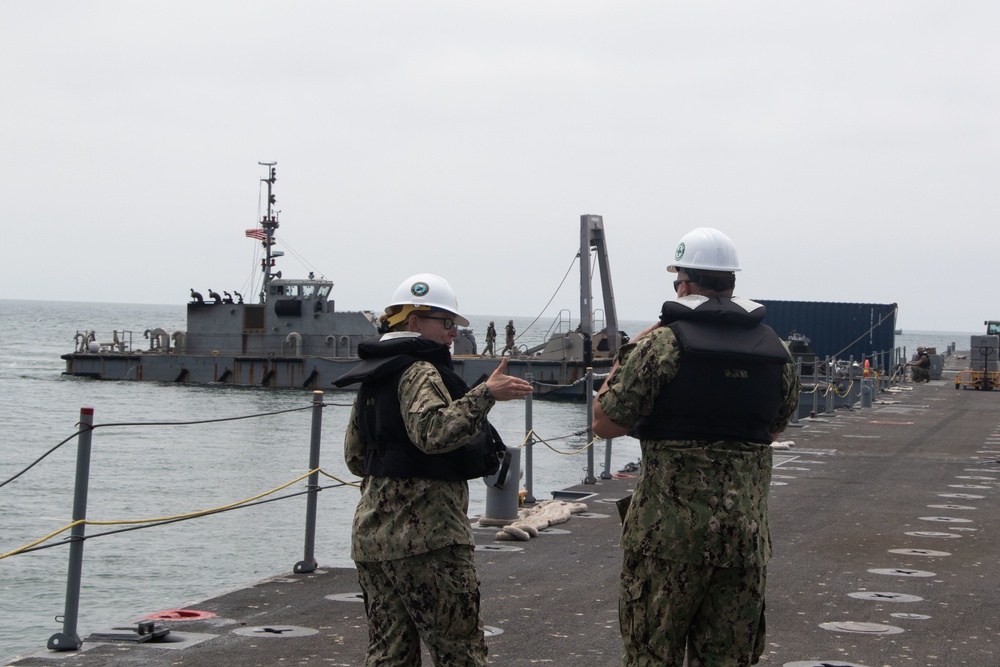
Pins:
x: 983, y: 380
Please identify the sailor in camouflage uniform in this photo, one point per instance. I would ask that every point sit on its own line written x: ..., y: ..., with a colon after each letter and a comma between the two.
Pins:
x: 417, y: 432
x: 706, y: 390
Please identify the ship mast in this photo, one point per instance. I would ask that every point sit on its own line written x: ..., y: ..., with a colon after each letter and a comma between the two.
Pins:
x: 592, y: 236
x: 269, y: 224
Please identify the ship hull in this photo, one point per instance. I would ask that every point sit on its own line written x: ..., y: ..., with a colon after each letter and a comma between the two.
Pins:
x: 553, y: 379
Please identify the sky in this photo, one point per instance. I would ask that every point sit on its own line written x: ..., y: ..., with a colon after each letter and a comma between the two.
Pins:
x: 849, y: 149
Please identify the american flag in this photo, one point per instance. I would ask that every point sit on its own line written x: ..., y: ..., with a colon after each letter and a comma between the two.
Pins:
x: 256, y: 233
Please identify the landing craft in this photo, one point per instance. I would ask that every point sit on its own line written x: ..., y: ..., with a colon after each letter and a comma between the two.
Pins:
x: 294, y: 337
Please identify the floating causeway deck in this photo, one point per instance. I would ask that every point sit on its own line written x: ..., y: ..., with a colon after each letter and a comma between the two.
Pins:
x: 885, y: 524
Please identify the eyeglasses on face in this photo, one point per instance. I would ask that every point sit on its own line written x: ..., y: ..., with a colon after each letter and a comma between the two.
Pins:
x: 446, y: 322
x: 678, y: 283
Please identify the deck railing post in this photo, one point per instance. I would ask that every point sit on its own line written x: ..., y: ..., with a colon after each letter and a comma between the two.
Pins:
x: 606, y: 473
x: 830, y: 375
x: 798, y: 374
x: 815, y: 388
x: 590, y: 479
x: 68, y: 639
x: 308, y: 562
x: 529, y: 496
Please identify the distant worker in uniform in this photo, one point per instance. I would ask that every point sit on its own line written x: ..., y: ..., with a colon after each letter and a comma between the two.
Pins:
x: 706, y: 390
x: 510, y: 338
x: 417, y: 433
x: 921, y: 366
x: 491, y: 338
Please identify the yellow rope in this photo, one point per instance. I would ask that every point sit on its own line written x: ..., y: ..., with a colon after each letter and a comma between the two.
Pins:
x: 846, y: 391
x: 334, y: 477
x: 200, y: 512
x: 175, y: 517
x: 557, y: 451
x: 37, y: 542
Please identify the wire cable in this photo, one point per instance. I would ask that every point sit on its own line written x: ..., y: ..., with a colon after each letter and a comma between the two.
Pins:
x: 551, y: 299
x: 185, y: 423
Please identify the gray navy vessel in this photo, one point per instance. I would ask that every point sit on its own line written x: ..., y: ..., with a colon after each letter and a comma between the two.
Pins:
x: 295, y: 338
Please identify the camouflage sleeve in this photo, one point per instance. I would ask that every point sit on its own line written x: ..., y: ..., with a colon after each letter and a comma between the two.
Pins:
x: 434, y: 422
x: 644, y: 366
x: 790, y: 387
x: 354, y: 446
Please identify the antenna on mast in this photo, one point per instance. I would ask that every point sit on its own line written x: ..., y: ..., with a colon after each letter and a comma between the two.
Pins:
x: 269, y: 224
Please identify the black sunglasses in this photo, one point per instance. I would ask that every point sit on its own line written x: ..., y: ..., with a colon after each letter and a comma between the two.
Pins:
x: 446, y: 322
x: 678, y: 283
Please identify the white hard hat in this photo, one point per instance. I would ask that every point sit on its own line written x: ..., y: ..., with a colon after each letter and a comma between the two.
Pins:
x: 425, y: 291
x: 705, y: 248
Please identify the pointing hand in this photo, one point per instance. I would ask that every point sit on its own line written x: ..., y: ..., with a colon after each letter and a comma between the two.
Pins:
x: 507, y: 387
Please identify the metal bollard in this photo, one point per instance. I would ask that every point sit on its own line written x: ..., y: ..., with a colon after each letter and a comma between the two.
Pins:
x: 867, y: 389
x: 501, y: 503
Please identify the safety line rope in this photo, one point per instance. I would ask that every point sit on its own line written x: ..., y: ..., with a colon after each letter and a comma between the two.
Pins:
x: 178, y: 517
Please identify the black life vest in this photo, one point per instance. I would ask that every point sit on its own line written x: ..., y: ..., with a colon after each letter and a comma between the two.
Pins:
x: 728, y: 384
x: 389, y: 450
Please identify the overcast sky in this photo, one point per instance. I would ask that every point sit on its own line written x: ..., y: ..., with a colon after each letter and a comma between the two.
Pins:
x: 850, y: 149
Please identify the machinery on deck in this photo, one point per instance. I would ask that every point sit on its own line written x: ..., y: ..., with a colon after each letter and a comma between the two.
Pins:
x: 984, y: 350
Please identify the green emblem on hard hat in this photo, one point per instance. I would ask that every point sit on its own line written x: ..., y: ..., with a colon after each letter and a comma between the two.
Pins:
x: 679, y: 253
x: 419, y: 289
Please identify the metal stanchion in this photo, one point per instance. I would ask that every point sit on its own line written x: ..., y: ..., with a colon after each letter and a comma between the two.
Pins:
x: 815, y: 389
x: 606, y: 473
x: 308, y: 562
x: 529, y: 496
x: 798, y: 374
x: 829, y: 386
x: 68, y: 639
x: 590, y: 479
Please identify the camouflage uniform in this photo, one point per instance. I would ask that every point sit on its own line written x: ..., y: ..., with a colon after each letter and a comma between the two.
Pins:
x: 922, y: 368
x: 509, y: 330
x: 411, y: 539
x: 696, y: 538
x: 491, y: 337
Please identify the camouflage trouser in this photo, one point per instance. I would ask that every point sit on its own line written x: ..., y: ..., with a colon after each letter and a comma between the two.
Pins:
x: 665, y: 607
x: 433, y: 597
x: 921, y: 374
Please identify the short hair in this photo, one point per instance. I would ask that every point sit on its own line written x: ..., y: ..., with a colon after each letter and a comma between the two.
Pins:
x: 716, y: 281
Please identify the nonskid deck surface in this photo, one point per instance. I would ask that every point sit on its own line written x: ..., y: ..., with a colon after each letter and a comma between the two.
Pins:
x: 884, y: 523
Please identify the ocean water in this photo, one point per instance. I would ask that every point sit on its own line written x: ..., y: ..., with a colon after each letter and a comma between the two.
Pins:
x: 140, y: 471
x: 144, y: 471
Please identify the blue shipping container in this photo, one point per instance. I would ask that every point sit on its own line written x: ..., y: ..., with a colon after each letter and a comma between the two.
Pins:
x: 840, y: 330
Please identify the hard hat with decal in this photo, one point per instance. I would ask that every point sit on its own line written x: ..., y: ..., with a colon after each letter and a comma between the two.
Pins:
x: 707, y: 249
x: 423, y: 292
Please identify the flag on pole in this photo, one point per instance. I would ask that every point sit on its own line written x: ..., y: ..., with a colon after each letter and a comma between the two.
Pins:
x: 257, y: 233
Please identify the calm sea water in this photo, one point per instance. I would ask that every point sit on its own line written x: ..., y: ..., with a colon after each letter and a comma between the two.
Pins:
x: 159, y: 471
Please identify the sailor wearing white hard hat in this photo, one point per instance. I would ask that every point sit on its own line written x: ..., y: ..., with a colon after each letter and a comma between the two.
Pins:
x: 417, y: 433
x: 705, y: 389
